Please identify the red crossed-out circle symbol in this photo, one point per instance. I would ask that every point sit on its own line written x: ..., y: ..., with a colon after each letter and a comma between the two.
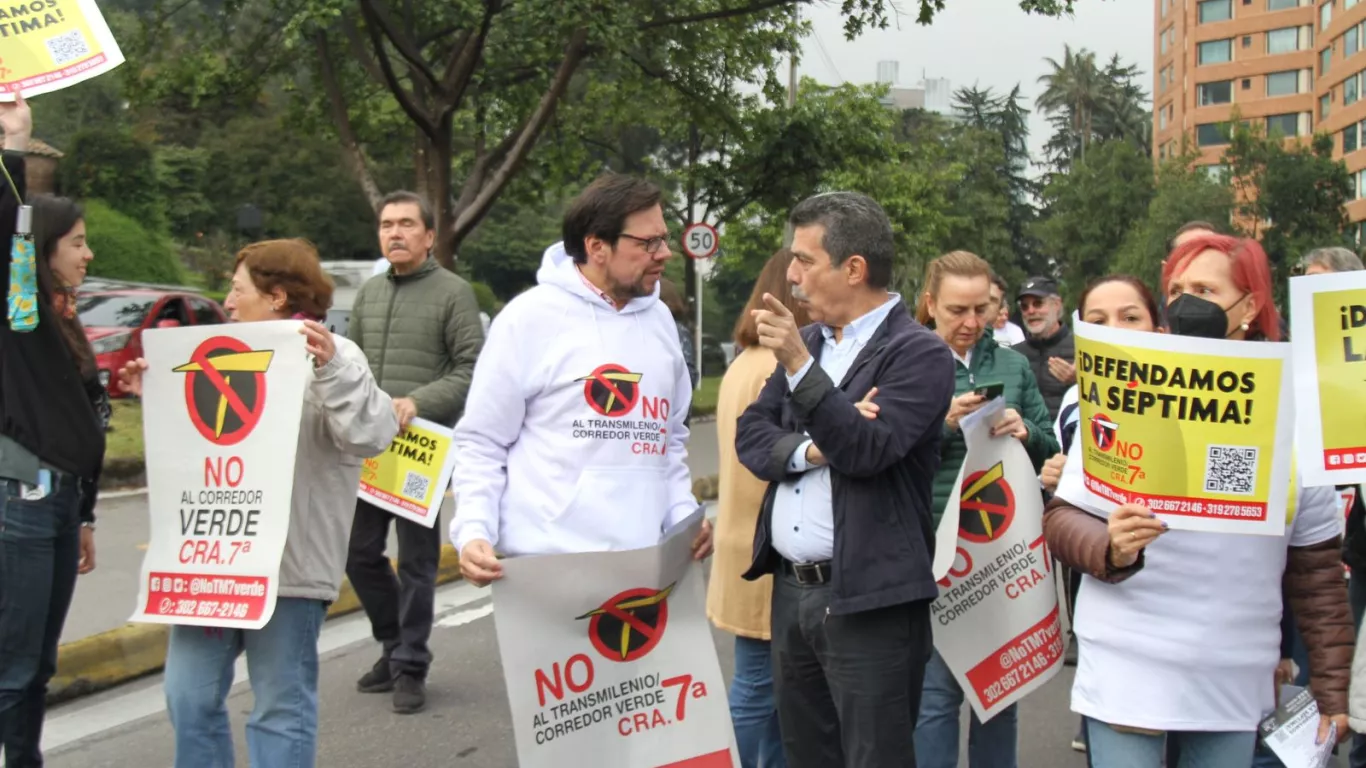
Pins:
x: 1103, y: 431
x: 987, y: 506
x: 629, y: 625
x: 611, y: 390
x: 225, y: 388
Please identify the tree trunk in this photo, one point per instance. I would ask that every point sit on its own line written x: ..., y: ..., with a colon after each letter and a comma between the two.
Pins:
x: 439, y: 192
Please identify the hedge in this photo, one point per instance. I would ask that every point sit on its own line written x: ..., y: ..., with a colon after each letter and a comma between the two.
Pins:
x: 126, y: 250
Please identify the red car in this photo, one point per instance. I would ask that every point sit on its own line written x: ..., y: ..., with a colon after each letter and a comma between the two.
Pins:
x: 115, y: 319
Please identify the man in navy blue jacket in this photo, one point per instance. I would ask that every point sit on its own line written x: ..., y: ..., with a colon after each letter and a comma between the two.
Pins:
x: 847, y: 431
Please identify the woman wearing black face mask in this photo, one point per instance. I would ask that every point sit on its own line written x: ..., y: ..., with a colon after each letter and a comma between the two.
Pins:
x: 1219, y: 287
x: 1179, y: 631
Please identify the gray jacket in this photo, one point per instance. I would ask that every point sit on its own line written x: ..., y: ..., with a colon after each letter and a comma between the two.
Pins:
x: 346, y: 419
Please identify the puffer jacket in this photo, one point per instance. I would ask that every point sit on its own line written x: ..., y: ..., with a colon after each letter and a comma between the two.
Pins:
x: 422, y: 334
x: 991, y: 363
x: 1037, y: 351
x: 346, y: 419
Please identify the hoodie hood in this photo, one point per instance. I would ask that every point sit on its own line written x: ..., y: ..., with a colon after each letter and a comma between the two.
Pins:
x: 559, y: 270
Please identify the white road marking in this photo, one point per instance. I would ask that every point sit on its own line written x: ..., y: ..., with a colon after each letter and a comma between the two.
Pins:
x: 84, y: 718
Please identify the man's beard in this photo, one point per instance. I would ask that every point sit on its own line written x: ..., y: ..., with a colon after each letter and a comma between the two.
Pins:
x: 623, y: 293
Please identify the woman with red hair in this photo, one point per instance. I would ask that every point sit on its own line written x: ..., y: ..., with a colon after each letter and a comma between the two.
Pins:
x: 1219, y: 287
x: 1179, y: 631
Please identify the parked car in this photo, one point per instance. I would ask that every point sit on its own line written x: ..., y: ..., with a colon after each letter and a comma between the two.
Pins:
x: 115, y: 319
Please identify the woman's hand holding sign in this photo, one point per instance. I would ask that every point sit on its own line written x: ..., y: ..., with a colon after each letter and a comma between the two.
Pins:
x: 1132, y: 527
x: 319, y: 342
x: 130, y: 376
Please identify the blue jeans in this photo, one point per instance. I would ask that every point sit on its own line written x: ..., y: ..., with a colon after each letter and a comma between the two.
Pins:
x: 282, y: 660
x: 990, y: 745
x: 752, y: 707
x: 40, y: 543
x: 1109, y: 748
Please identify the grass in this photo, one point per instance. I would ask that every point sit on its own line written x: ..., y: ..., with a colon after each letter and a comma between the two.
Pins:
x: 704, y: 400
x: 123, y: 444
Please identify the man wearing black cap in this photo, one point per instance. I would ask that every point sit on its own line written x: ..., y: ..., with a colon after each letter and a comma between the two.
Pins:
x: 1048, y: 341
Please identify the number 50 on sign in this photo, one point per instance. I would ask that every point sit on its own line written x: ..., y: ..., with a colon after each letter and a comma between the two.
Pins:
x: 700, y: 241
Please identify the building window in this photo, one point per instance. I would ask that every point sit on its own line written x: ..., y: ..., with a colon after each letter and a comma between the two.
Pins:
x: 1286, y: 125
x: 1323, y: 107
x: 1211, y: 134
x: 1215, y: 10
x: 1215, y: 52
x: 1217, y: 172
x: 1283, y: 83
x: 1281, y: 5
x: 1349, y: 4
x: 1214, y: 93
x: 1361, y: 183
x: 1351, y: 90
x: 1168, y: 39
x: 1283, y: 40
x: 1349, y: 139
x: 1325, y: 15
x: 1351, y: 42
x: 1325, y: 58
x: 1164, y: 79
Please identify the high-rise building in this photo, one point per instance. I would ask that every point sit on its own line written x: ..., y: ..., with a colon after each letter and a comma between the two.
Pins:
x: 888, y: 72
x: 1292, y: 65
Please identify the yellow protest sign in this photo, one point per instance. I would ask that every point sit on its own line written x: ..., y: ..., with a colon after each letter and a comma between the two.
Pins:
x: 410, y: 478
x: 1328, y: 329
x: 1196, y: 430
x: 46, y: 45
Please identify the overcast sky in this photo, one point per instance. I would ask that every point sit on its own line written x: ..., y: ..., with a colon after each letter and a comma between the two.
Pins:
x: 983, y: 42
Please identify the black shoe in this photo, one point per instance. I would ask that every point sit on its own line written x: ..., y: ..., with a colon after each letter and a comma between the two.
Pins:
x: 378, y: 680
x: 410, y: 695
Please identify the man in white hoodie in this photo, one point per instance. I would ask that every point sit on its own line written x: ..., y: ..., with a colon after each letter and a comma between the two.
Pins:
x: 573, y: 437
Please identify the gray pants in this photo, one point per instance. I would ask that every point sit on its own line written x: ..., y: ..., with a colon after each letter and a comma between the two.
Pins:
x: 400, y: 607
x: 847, y: 687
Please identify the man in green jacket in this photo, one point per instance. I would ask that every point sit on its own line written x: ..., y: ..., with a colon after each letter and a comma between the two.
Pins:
x: 419, y: 326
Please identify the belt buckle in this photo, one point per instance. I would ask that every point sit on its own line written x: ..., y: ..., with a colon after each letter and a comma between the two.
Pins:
x: 801, y: 571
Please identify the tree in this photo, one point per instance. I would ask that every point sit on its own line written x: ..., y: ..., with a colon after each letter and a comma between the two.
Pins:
x: 1184, y: 192
x: 116, y: 167
x: 1087, y: 104
x: 1089, y: 210
x: 1290, y: 195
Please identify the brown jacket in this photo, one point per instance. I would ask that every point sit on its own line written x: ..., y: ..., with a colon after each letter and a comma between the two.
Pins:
x: 1312, y: 584
x: 733, y: 604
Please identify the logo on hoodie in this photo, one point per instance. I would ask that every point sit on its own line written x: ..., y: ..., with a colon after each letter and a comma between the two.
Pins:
x: 629, y: 625
x: 611, y: 390
x: 225, y: 388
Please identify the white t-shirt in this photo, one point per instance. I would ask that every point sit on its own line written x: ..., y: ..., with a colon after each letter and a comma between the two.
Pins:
x: 1190, y: 642
x: 1008, y: 335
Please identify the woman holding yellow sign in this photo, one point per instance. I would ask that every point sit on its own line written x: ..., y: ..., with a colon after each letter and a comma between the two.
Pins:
x: 1179, y: 631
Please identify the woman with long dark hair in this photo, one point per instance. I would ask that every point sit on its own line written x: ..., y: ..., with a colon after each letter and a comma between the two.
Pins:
x: 53, y: 411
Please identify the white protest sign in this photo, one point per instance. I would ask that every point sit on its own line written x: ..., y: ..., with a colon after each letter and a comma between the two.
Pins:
x: 609, y: 659
x: 220, y: 445
x: 996, y: 621
x: 410, y: 478
x: 1292, y: 731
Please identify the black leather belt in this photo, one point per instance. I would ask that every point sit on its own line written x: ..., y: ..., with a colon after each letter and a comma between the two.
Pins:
x: 809, y: 574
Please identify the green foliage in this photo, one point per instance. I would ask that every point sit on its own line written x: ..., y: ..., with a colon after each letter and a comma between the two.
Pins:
x: 183, y: 175
x: 1184, y: 193
x: 115, y: 166
x: 1300, y: 190
x: 1087, y: 104
x: 1091, y: 209
x: 126, y: 250
x: 488, y: 302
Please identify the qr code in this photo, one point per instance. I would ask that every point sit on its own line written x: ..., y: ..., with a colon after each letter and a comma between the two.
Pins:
x: 68, y: 47
x: 415, y: 486
x: 1231, y: 469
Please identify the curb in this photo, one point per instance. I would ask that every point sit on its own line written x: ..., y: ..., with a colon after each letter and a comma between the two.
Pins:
x: 111, y: 658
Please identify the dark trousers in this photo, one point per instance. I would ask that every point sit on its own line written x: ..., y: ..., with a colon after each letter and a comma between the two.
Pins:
x: 400, y: 607
x: 847, y: 686
x: 40, y: 543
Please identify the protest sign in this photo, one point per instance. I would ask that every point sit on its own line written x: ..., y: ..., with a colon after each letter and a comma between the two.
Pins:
x: 609, y: 659
x: 1198, y: 431
x: 409, y: 480
x: 996, y: 621
x: 1291, y: 732
x: 46, y: 45
x: 1328, y: 325
x: 220, y: 447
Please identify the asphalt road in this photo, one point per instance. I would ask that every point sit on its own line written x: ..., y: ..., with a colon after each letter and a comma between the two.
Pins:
x: 104, y: 599
x: 466, y: 723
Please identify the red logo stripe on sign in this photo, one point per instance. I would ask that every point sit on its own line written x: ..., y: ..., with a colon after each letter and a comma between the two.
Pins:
x: 714, y: 760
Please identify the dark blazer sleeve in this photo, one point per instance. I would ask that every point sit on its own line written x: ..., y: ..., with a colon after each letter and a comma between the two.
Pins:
x: 914, y: 386
x: 761, y: 443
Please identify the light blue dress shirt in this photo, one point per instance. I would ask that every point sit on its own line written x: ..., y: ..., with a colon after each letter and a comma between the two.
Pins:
x: 803, y: 514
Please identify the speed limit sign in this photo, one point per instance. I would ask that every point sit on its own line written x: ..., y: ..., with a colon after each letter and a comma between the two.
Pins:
x: 699, y: 241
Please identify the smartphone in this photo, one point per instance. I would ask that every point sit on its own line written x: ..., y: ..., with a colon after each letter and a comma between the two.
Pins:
x: 990, y: 391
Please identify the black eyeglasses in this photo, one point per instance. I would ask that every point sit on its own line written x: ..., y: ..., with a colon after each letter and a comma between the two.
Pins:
x: 650, y: 244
